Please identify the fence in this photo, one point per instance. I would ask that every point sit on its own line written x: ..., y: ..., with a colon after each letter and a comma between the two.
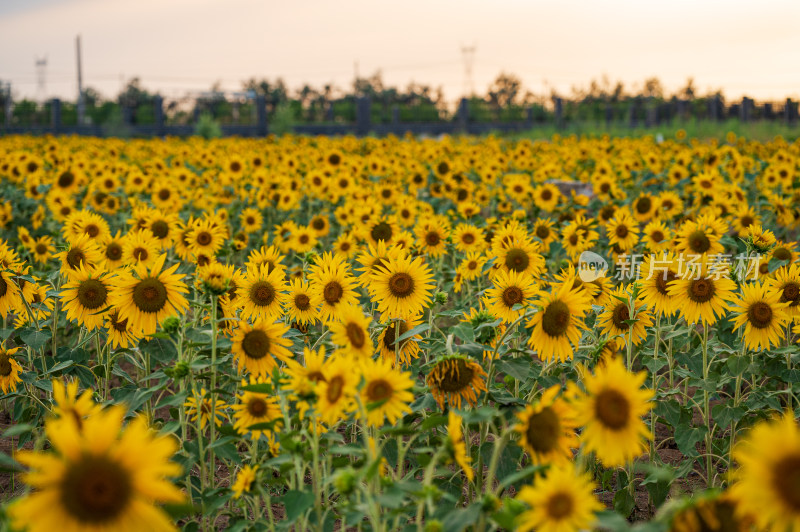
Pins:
x: 362, y: 116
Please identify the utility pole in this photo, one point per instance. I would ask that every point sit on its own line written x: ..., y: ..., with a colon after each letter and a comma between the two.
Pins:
x: 81, y: 109
x: 468, y: 55
x: 41, y: 78
x: 6, y: 91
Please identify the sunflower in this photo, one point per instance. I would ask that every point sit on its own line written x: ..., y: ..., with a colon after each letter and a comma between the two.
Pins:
x: 657, y: 273
x: 99, y: 477
x: 257, y: 346
x: 68, y: 405
x: 621, y: 230
x: 547, y: 196
x: 611, y: 413
x: 700, y: 237
x: 262, y: 294
x: 85, y: 296
x: 381, y: 229
x: 644, y: 207
x: 145, y: 297
x: 42, y: 249
x: 766, y: 483
x: 472, y: 266
x: 10, y: 297
x: 547, y: 429
x: 404, y: 351
x: 266, y: 256
x: 345, y: 245
x: 705, y: 297
x: 456, y: 378
x: 205, y: 237
x: 615, y: 318
x: 82, y: 249
x: 557, y: 326
x: 140, y: 247
x: 120, y: 335
x: 336, y: 390
x: 255, y: 408
x: 385, y: 393
x: 544, y: 230
x: 251, y: 220
x: 561, y: 501
x: 303, y: 240
x: 298, y: 305
x: 9, y: 370
x: 372, y: 258
x: 199, y: 408
x: 468, y: 238
x: 111, y: 249
x: 455, y: 442
x: 510, y: 293
x: 431, y: 239
x: 786, y: 282
x: 657, y: 236
x: 332, y: 286
x: 402, y: 286
x: 244, y: 480
x: 711, y: 513
x: 762, y: 314
x: 519, y: 255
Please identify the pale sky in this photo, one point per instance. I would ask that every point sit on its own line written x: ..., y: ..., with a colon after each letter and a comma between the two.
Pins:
x: 744, y: 48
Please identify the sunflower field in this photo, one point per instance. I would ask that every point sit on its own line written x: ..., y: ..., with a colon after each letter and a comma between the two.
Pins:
x: 379, y: 334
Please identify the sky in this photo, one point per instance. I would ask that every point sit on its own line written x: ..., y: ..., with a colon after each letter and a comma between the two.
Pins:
x: 177, y: 46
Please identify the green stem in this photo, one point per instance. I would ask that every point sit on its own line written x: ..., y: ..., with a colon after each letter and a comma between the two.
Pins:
x: 709, y: 440
x: 213, y: 424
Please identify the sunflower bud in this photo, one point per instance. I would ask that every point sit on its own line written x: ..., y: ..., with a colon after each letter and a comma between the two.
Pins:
x: 345, y: 481
x: 179, y: 371
x: 434, y: 525
x: 440, y: 297
x: 490, y: 503
x: 171, y: 324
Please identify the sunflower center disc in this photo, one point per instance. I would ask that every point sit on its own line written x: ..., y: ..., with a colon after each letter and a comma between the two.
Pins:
x: 96, y: 490
x: 41, y: 249
x: 335, y: 387
x: 555, y: 320
x: 160, y: 229
x: 332, y: 292
x: 543, y: 430
x: 378, y: 390
x: 257, y: 407
x: 699, y: 242
x: 701, y: 290
x: 643, y: 205
x: 657, y: 236
x: 787, y: 481
x: 92, y: 294
x: 118, y: 324
x: 468, y: 238
x: 5, y: 366
x: 204, y: 238
x: 302, y: 302
x: 612, y: 409
x: 517, y: 260
x: 401, y: 285
x: 559, y: 506
x: 262, y: 294
x: 760, y: 315
x: 782, y: 254
x: 621, y: 231
x: 356, y: 335
x: 75, y: 257
x: 791, y: 292
x: 3, y: 286
x: 256, y: 344
x: 512, y: 296
x: 140, y: 254
x: 455, y: 376
x: 391, y: 333
x: 92, y: 230
x: 381, y: 231
x: 150, y: 295
x: 542, y: 232
x: 662, y: 281
x: 620, y: 316
x: 432, y: 238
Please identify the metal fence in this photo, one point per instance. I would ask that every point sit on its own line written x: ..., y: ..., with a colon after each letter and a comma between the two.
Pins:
x: 252, y: 116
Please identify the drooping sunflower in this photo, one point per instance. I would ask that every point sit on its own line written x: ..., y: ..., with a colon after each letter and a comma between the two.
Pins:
x: 99, y: 477
x: 611, y: 413
x: 458, y: 449
x: 258, y: 345
x: 557, y: 326
x: 402, y: 286
x: 255, y: 408
x: 146, y: 297
x: 404, y: 351
x: 767, y: 480
x: 9, y: 370
x: 120, y: 334
x: 710, y: 512
x: 85, y: 296
x: 547, y: 429
x: 244, y: 480
x: 509, y: 290
x: 762, y: 314
x: 703, y: 297
x: 332, y: 286
x: 385, y: 393
x: 199, y: 408
x: 615, y: 318
x: 262, y: 293
x: 456, y: 378
x: 561, y: 501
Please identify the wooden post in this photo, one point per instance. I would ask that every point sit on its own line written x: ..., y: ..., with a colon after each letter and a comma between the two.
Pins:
x: 261, y: 115
x: 767, y: 113
x: 789, y: 112
x: 395, y: 115
x: 55, y: 114
x: 363, y: 116
x: 649, y: 116
x: 127, y: 114
x: 609, y: 114
x: 329, y: 116
x: 634, y: 112
x: 744, y: 109
x: 158, y: 114
x: 558, y: 106
x: 8, y: 106
x: 462, y: 116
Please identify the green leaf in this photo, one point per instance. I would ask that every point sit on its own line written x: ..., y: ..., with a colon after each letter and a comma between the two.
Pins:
x: 262, y: 387
x: 737, y: 364
x: 5, y: 334
x: 624, y: 503
x: 9, y: 464
x: 59, y: 367
x: 296, y: 503
x: 461, y: 518
x: 35, y: 339
x: 686, y: 438
x: 612, y: 521
x: 419, y: 329
x: 519, y: 368
x: 16, y: 430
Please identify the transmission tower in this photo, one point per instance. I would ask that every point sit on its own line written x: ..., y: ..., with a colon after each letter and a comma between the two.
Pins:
x: 41, y: 78
x: 468, y: 56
